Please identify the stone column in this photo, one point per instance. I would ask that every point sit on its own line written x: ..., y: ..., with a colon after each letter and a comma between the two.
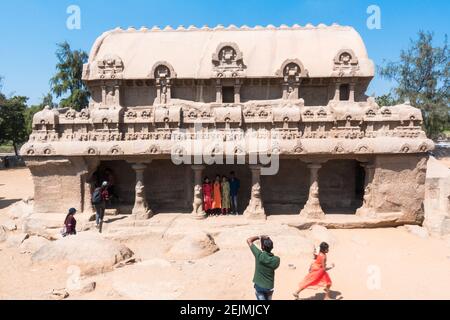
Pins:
x: 312, y: 208
x: 366, y: 209
x: 255, y: 208
x: 197, y: 210
x: 87, y: 194
x: 237, y: 92
x: 218, y: 91
x: 141, y: 210
x: 337, y: 91
x: 351, y: 96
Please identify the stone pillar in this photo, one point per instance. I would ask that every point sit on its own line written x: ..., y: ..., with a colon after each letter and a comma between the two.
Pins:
x: 366, y: 209
x: 87, y: 194
x: 312, y: 208
x: 237, y: 92
x: 218, y: 91
x: 351, y: 96
x: 141, y: 210
x: 197, y: 210
x: 337, y: 91
x: 255, y: 208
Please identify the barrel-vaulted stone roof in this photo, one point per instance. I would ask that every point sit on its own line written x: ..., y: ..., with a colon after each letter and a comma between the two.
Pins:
x: 190, y: 51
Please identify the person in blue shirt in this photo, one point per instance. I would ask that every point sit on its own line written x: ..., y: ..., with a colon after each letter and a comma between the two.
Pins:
x: 235, y: 184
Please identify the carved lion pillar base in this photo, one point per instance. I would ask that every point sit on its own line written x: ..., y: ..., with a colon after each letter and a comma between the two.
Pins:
x: 255, y: 208
x: 367, y: 209
x: 141, y: 209
x: 197, y: 210
x: 312, y: 208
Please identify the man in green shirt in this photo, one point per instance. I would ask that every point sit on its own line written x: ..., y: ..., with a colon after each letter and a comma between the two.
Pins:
x: 265, y: 265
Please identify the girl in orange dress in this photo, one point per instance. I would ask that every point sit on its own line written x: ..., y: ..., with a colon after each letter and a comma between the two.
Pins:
x: 217, y: 196
x: 207, y: 195
x: 318, y: 275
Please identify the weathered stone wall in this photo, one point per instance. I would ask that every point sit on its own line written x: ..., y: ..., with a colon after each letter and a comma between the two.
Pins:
x: 341, y: 185
x: 286, y: 192
x: 437, y: 198
x: 58, y: 184
x: 138, y: 96
x: 167, y: 186
x: 399, y: 185
x: 260, y: 92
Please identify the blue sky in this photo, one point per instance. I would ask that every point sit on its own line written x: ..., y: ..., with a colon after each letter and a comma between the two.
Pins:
x: 30, y: 29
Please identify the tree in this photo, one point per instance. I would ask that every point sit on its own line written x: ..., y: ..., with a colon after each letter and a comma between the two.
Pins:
x: 12, y: 126
x: 386, y: 100
x: 67, y: 80
x: 422, y: 77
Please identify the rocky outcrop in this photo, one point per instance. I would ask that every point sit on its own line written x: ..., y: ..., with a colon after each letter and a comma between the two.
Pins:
x: 193, y: 246
x: 33, y: 244
x: 89, y: 251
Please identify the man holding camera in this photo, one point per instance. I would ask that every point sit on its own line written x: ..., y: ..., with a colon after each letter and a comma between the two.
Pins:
x: 265, y: 265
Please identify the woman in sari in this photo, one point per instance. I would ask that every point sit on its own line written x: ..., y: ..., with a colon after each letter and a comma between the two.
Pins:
x: 226, y: 199
x: 217, y: 196
x: 207, y: 195
x: 318, y: 275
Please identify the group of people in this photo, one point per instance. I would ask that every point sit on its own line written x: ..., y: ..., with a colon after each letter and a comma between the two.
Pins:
x: 221, y: 195
x: 100, y: 197
x: 266, y: 263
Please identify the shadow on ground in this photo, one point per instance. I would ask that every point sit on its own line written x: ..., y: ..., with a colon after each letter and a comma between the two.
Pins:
x: 334, y: 295
x: 4, y: 203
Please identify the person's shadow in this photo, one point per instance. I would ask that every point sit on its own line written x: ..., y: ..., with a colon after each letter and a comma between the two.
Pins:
x: 334, y: 295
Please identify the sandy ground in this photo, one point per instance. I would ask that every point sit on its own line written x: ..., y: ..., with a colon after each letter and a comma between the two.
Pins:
x: 388, y: 263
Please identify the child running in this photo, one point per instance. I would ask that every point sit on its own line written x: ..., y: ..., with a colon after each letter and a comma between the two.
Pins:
x: 318, y: 275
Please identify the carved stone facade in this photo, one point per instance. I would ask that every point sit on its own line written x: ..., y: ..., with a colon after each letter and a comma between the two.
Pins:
x: 258, y: 94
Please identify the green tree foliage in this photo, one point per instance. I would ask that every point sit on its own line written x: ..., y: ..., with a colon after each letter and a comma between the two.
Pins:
x: 67, y: 80
x: 12, y: 124
x: 386, y: 100
x: 422, y: 77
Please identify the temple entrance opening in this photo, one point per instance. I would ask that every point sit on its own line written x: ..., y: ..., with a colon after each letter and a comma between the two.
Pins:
x: 287, y: 191
x: 242, y: 172
x: 341, y: 185
x: 168, y: 187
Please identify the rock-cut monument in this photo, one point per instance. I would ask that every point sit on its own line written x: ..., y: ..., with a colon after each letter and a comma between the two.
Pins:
x: 294, y: 93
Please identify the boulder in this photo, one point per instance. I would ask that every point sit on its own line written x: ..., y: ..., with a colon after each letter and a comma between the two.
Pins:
x: 418, y: 231
x: 33, y: 244
x: 84, y: 288
x: 88, y: 287
x: 15, y: 240
x: 193, y: 246
x: 321, y: 234
x: 37, y: 227
x: 90, y: 252
x: 9, y: 225
x: 58, y: 294
x: 21, y: 209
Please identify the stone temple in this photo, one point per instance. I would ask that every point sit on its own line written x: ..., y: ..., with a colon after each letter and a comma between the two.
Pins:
x: 167, y: 101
